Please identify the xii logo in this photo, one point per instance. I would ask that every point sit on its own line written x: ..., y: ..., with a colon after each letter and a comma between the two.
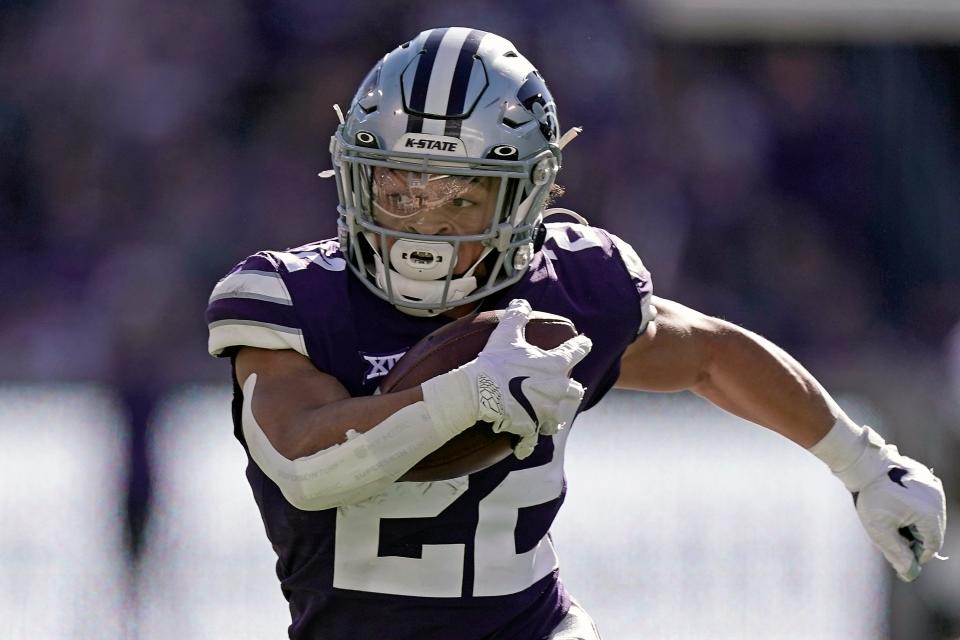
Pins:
x: 379, y: 365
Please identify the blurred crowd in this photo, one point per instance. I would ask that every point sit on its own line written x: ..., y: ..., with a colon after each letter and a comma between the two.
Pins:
x: 809, y: 192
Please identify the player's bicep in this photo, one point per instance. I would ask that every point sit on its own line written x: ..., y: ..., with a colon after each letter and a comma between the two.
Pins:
x: 671, y: 354
x: 288, y: 388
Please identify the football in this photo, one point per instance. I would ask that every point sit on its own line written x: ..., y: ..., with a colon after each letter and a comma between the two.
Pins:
x: 447, y: 348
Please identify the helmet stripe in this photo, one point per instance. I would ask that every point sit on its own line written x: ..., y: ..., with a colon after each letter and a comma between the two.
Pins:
x: 421, y: 81
x: 438, y: 94
x: 461, y: 80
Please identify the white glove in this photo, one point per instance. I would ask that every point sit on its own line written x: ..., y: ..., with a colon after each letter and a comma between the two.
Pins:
x: 519, y: 388
x: 900, y: 502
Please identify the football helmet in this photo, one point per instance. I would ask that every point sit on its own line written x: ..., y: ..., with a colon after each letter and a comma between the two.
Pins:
x: 451, y: 142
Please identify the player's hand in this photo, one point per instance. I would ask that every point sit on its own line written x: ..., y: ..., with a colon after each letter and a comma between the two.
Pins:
x: 524, y: 389
x: 900, y: 503
x: 904, y: 512
x: 515, y: 386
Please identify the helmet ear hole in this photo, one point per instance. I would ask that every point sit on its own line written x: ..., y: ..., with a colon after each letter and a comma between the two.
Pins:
x: 503, y: 152
x: 366, y: 139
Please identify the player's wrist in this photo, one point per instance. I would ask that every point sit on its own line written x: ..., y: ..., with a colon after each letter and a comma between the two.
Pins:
x: 451, y: 401
x: 857, y: 455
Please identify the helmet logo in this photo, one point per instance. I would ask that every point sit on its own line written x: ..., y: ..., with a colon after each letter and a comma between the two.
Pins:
x: 504, y: 152
x: 431, y: 145
x: 441, y: 145
x: 533, y: 95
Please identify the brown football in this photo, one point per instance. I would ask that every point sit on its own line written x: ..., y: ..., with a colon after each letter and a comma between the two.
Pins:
x: 447, y: 348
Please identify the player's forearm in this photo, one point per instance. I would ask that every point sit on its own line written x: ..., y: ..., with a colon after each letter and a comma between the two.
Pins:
x: 322, y: 427
x: 363, y: 465
x: 753, y: 378
x: 302, y: 410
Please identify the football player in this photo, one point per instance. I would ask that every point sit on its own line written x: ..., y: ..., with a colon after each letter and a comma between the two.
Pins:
x: 444, y: 164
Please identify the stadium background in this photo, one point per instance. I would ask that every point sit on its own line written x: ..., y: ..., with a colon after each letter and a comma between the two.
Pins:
x: 795, y: 170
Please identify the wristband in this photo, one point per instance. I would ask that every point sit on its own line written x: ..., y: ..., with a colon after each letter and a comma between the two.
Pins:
x: 856, y: 455
x: 451, y: 401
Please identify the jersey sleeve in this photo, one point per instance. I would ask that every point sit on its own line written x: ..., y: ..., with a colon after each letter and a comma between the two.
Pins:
x: 252, y: 306
x: 639, y: 276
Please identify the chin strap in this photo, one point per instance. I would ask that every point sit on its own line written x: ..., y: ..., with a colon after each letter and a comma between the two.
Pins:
x: 560, y: 211
x: 539, y: 237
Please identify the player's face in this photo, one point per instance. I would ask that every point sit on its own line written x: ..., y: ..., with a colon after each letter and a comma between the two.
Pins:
x: 432, y: 204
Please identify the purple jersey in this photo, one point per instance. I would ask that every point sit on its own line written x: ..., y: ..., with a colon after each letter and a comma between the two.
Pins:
x: 463, y: 559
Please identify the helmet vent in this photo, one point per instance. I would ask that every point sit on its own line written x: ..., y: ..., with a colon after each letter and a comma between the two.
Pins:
x: 511, y: 54
x: 513, y: 124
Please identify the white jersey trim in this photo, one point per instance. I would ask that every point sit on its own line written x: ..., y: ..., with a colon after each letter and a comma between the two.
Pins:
x: 299, y: 260
x: 590, y: 237
x: 248, y: 333
x: 634, y: 266
x: 257, y: 285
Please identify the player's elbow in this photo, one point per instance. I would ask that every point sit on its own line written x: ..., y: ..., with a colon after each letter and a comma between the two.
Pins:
x: 298, y: 493
x: 284, y: 442
x: 339, y: 475
x: 304, y: 438
x: 315, y: 489
x: 293, y: 435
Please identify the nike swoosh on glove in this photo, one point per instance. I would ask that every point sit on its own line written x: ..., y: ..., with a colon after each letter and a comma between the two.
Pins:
x: 900, y: 502
x: 904, y: 512
x: 517, y: 387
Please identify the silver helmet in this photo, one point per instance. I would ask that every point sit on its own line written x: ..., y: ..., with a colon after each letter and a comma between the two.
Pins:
x: 450, y: 143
